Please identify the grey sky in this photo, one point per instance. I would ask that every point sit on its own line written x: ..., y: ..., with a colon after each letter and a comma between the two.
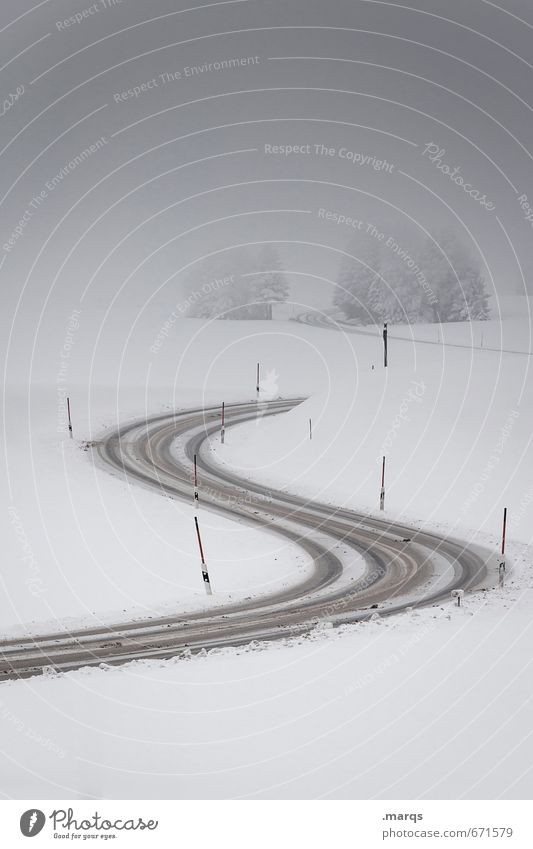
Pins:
x: 373, y: 80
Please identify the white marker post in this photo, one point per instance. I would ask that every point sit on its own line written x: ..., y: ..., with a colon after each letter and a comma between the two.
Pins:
x: 385, y: 344
x: 196, y: 496
x: 310, y: 429
x: 501, y: 567
x: 222, y: 429
x: 382, y: 492
x: 257, y: 383
x: 205, y: 573
x: 69, y: 419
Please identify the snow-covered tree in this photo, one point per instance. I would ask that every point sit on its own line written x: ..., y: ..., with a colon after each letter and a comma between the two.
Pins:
x: 399, y: 298
x: 359, y: 290
x: 216, y: 287
x: 225, y: 287
x: 455, y: 279
x: 438, y: 272
x: 270, y: 285
x: 477, y: 299
x: 439, y: 281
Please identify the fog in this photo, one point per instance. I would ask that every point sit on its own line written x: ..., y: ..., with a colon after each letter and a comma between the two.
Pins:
x: 139, y: 138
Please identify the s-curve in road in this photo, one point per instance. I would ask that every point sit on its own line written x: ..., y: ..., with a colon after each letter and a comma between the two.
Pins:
x: 401, y: 566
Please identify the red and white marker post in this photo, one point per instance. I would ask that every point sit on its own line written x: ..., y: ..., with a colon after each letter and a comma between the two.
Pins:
x: 257, y: 383
x: 222, y: 426
x: 501, y: 567
x: 196, y: 495
x: 382, y: 492
x: 69, y: 419
x: 205, y: 573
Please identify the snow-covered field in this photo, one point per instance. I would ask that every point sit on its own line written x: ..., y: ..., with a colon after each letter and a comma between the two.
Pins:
x: 512, y: 335
x: 454, y: 425
x: 433, y: 704
x: 80, y: 545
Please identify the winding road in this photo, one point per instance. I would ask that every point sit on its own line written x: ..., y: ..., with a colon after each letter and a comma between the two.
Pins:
x: 402, y: 566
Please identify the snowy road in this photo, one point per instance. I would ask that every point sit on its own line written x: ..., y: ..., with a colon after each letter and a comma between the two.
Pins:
x: 403, y: 566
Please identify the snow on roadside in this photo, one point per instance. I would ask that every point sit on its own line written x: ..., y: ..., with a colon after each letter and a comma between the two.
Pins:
x: 454, y: 425
x: 83, y: 547
x: 429, y: 704
x: 434, y: 703
x: 81, y: 543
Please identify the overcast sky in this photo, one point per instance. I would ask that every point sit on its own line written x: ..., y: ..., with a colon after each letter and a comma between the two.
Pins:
x: 157, y: 164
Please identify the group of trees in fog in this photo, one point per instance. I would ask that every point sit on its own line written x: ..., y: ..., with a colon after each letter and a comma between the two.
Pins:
x: 237, y: 285
x: 379, y: 281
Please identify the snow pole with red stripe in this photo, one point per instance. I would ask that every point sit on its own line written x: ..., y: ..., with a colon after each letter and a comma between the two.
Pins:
x: 222, y: 425
x: 382, y: 492
x: 257, y: 382
x: 196, y: 495
x: 69, y: 419
x: 205, y: 573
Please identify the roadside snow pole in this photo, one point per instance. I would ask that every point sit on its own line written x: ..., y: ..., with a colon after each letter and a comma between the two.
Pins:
x: 196, y: 496
x: 205, y: 573
x: 257, y: 383
x: 69, y: 419
x: 501, y: 567
x: 222, y: 428
x: 458, y: 594
x: 385, y: 344
x: 382, y: 493
x: 310, y: 429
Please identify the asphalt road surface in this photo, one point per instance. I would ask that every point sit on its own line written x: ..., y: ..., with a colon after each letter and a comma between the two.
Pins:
x: 403, y: 567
